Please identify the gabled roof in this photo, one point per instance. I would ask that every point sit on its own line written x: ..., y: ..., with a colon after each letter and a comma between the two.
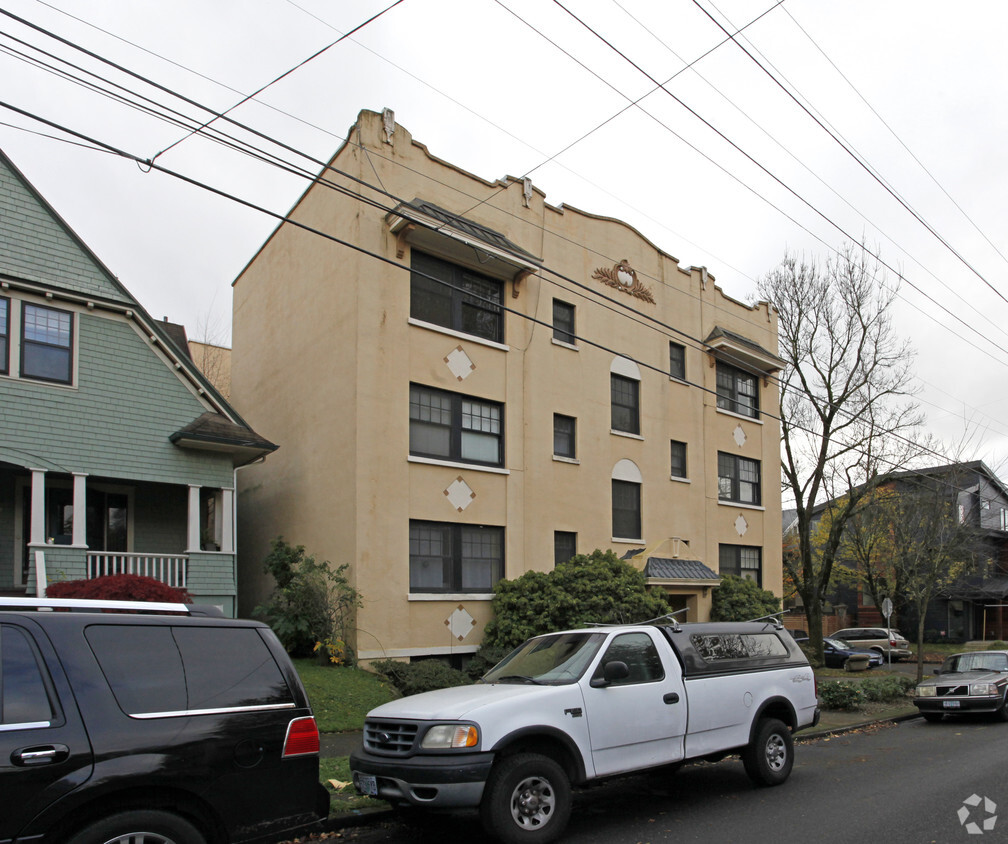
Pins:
x: 35, y: 241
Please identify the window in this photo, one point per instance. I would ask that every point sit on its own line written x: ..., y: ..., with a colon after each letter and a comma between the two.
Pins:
x: 678, y: 459
x: 455, y: 558
x: 625, y: 394
x: 563, y: 322
x: 458, y: 299
x: 639, y: 653
x: 4, y: 335
x: 626, y: 509
x: 564, y: 436
x: 738, y: 479
x: 564, y: 546
x: 713, y: 647
x: 451, y: 426
x: 677, y: 361
x: 737, y: 391
x: 23, y: 697
x: 46, y: 344
x: 745, y: 561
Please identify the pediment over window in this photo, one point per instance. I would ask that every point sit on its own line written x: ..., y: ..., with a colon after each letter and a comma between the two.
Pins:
x: 741, y: 351
x: 432, y: 229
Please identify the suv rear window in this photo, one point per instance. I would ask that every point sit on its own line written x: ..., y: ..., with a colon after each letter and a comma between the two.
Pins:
x: 178, y: 670
x: 23, y: 697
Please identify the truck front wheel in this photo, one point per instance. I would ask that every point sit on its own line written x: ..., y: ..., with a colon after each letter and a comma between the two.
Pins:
x: 770, y: 756
x: 527, y: 799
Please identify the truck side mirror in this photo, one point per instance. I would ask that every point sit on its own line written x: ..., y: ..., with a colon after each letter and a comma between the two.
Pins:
x: 612, y: 672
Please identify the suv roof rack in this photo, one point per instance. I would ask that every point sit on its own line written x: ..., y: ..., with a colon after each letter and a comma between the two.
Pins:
x: 88, y: 605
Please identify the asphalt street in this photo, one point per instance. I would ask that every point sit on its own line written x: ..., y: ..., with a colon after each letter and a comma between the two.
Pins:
x: 906, y: 783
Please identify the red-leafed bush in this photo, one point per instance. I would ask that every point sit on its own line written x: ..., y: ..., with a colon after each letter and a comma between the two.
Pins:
x: 119, y: 587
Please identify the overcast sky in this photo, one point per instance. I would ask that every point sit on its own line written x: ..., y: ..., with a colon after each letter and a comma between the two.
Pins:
x: 918, y: 89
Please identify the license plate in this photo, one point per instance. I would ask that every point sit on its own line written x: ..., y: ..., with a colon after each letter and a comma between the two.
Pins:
x: 369, y: 785
x: 950, y: 704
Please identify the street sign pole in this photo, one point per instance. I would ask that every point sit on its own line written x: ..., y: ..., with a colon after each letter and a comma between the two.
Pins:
x: 887, y: 612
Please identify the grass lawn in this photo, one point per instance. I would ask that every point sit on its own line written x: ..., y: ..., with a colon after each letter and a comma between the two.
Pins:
x: 340, y: 696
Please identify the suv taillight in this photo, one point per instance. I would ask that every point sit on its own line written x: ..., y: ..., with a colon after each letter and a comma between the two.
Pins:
x: 302, y: 737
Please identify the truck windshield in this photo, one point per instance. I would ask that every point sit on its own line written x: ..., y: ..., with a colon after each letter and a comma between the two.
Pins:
x: 548, y: 660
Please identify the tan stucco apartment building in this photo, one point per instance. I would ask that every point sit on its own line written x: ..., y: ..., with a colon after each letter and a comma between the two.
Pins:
x: 468, y: 383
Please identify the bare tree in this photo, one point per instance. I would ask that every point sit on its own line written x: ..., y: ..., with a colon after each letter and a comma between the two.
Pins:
x: 847, y: 416
x: 210, y: 354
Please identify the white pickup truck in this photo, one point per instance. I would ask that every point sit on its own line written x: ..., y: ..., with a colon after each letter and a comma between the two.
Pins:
x: 573, y: 707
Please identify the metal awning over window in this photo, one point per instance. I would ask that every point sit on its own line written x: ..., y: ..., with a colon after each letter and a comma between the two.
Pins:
x: 741, y: 351
x: 433, y: 229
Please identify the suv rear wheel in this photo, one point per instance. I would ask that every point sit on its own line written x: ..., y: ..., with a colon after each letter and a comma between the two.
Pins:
x: 150, y: 827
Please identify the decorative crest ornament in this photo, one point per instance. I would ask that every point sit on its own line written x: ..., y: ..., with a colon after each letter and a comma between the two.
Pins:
x: 624, y: 277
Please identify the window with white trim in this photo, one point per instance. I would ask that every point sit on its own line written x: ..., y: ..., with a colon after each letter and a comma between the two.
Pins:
x: 738, y: 479
x: 745, y: 561
x: 563, y: 322
x: 737, y: 390
x: 677, y: 360
x: 625, y: 396
x: 564, y: 546
x: 448, y: 557
x: 678, y: 459
x: 452, y: 426
x: 564, y: 436
x: 626, y: 509
x: 4, y: 335
x: 46, y: 344
x: 454, y: 297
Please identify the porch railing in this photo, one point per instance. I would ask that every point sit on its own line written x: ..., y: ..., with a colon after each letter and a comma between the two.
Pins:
x: 172, y: 569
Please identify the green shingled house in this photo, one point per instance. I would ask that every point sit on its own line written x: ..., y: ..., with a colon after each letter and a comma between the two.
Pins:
x: 116, y: 453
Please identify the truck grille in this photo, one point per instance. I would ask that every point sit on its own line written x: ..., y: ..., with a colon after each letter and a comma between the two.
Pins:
x: 390, y: 737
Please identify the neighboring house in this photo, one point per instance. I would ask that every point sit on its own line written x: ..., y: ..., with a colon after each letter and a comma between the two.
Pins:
x: 214, y: 362
x: 116, y: 454
x: 498, y: 385
x: 976, y: 606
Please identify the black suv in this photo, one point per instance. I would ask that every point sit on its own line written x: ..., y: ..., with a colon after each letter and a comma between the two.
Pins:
x: 161, y: 723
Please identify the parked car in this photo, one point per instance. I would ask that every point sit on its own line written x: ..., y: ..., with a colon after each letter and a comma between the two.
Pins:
x: 163, y: 723
x: 836, y: 652
x: 968, y: 682
x: 800, y: 636
x: 574, y: 707
x: 886, y: 642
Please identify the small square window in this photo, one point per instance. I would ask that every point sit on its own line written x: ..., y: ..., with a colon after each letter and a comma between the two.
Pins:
x: 563, y: 323
x: 677, y: 361
x: 564, y: 436
x: 564, y: 546
x: 678, y: 459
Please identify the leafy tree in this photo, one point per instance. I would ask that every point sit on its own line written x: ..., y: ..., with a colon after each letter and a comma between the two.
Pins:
x: 314, y: 604
x: 741, y: 599
x: 845, y: 408
x: 596, y: 588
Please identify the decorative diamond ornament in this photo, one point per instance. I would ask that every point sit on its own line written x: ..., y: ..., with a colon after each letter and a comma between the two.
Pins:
x: 459, y: 363
x: 459, y: 494
x: 460, y: 623
x: 739, y: 435
x: 741, y: 525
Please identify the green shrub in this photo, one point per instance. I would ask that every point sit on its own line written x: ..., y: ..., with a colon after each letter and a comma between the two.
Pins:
x: 741, y: 599
x: 839, y: 694
x: 998, y: 646
x: 483, y: 660
x: 313, y: 606
x: 887, y: 689
x: 597, y: 588
x: 412, y: 678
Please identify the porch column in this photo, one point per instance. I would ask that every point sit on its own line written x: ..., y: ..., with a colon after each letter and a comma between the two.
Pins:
x: 37, y: 507
x: 79, y: 509
x: 193, y: 539
x: 227, y: 521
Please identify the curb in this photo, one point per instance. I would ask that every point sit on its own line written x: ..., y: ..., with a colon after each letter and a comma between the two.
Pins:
x: 812, y: 735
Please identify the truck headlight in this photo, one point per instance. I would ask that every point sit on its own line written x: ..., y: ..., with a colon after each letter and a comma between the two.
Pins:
x: 926, y: 691
x: 448, y: 736
x: 983, y: 689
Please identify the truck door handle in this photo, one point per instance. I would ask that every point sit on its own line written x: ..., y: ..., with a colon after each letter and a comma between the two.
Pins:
x: 671, y: 697
x: 40, y: 755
